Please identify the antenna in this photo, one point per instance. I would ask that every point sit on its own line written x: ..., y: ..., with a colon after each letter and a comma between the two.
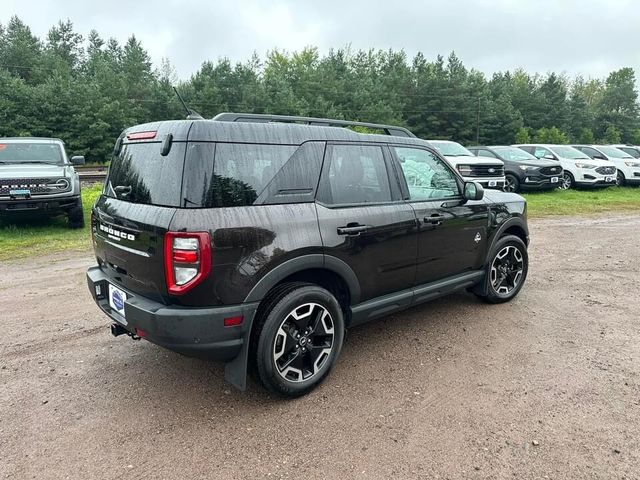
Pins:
x: 191, y: 114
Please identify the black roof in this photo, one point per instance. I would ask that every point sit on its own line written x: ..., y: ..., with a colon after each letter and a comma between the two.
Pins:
x: 252, y: 132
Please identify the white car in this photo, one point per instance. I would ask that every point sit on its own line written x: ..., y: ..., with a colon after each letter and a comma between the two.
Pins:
x: 628, y: 166
x: 579, y: 169
x: 489, y: 172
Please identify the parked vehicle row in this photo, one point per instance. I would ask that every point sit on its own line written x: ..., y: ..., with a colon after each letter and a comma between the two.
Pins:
x: 544, y: 166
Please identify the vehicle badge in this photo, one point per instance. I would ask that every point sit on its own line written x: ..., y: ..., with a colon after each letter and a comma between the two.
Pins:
x: 492, y: 170
x: 478, y: 238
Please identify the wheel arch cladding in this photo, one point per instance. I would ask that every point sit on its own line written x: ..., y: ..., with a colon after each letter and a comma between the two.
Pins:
x: 326, y: 271
x: 304, y: 266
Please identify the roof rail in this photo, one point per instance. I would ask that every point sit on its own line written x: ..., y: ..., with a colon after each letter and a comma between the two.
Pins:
x: 322, y: 122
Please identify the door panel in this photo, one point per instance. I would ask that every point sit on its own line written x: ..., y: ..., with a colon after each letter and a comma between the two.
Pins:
x: 454, y: 242
x: 363, y: 220
x: 452, y: 235
x: 382, y: 253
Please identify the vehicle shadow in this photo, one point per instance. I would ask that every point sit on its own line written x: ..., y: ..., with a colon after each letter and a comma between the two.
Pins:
x: 179, y: 384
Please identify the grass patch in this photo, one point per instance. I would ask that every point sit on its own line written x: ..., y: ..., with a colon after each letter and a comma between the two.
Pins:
x: 28, y: 236
x: 580, y: 202
x: 24, y: 236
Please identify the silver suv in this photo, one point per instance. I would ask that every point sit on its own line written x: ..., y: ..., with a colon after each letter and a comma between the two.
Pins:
x: 36, y: 176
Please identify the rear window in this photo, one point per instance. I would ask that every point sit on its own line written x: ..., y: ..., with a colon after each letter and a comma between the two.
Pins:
x: 139, y: 174
x: 26, y: 152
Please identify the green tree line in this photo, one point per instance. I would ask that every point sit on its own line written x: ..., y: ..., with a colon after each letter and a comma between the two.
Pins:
x: 87, y: 90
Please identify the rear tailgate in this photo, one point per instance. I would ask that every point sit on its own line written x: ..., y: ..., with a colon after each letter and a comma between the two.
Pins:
x: 142, y: 193
x: 128, y: 242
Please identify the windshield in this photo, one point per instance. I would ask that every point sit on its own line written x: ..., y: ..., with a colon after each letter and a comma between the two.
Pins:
x: 25, y: 152
x: 614, y: 152
x: 570, y: 152
x: 515, y: 154
x: 451, y: 149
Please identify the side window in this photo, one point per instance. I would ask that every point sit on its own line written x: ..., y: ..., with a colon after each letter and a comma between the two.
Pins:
x: 540, y: 152
x: 427, y: 176
x: 589, y: 151
x: 357, y: 174
x: 236, y: 177
x: 486, y: 153
x: 631, y: 151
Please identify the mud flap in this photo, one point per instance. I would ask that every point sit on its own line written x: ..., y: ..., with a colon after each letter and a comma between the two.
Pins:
x: 235, y: 372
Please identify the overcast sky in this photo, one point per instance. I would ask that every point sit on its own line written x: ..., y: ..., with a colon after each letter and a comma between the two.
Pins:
x: 588, y: 37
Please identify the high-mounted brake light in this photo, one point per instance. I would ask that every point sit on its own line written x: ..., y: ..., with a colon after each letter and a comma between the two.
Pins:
x: 142, y: 135
x: 187, y: 260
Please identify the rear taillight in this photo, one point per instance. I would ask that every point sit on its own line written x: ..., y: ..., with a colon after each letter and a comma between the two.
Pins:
x: 187, y: 260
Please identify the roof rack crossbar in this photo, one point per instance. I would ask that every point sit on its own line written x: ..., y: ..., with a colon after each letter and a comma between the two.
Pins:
x: 322, y: 122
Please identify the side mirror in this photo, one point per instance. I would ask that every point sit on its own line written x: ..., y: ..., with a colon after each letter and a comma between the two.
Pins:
x: 549, y: 156
x: 77, y: 160
x: 599, y: 157
x: 473, y: 191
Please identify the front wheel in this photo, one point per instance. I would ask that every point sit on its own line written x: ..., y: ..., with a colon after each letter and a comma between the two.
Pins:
x: 75, y: 216
x: 299, y: 338
x: 567, y: 181
x: 620, y: 181
x: 511, y: 183
x: 506, y: 271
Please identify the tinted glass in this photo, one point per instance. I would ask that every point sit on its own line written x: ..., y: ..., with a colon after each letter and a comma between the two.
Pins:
x: 486, y: 153
x: 451, y: 149
x: 139, y: 174
x: 631, y: 151
x: 540, y: 152
x: 614, y: 152
x: 427, y: 176
x: 569, y: 152
x: 356, y: 175
x: 231, y: 174
x: 514, y: 154
x: 23, y: 152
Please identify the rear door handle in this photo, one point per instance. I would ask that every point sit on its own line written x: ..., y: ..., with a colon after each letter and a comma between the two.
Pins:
x: 352, y: 229
x: 435, y: 219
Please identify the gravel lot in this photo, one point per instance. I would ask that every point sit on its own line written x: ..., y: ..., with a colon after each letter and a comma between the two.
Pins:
x: 547, y: 386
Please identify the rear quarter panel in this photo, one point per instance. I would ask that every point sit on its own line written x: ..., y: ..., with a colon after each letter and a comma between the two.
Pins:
x: 243, y: 253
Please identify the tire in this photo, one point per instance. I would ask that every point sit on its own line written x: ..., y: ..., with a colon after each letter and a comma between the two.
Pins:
x: 297, y: 339
x: 567, y: 181
x: 620, y: 180
x: 511, y: 184
x: 503, y: 255
x: 75, y: 216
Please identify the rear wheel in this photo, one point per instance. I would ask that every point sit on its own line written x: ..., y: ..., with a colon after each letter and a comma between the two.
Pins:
x: 506, y: 271
x: 567, y: 181
x: 511, y: 183
x: 76, y: 216
x: 620, y: 180
x: 298, y: 339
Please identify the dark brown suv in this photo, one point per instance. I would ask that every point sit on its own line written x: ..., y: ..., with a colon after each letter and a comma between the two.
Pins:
x: 257, y: 240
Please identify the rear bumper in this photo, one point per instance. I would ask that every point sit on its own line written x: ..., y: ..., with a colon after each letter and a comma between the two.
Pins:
x: 193, y: 331
x: 38, y: 204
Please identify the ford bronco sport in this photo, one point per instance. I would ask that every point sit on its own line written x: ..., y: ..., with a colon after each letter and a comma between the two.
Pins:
x: 37, y: 177
x: 256, y: 240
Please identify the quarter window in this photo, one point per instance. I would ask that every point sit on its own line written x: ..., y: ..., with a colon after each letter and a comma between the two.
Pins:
x: 356, y: 175
x: 427, y: 176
